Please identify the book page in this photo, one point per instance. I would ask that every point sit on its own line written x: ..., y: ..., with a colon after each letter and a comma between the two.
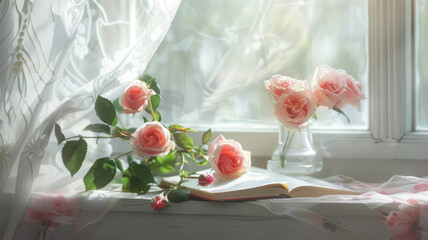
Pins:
x: 258, y: 178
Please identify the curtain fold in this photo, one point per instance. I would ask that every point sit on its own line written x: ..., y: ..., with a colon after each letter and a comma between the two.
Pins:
x: 55, y: 57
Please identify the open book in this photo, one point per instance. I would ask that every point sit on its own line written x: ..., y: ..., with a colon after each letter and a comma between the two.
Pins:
x: 260, y: 183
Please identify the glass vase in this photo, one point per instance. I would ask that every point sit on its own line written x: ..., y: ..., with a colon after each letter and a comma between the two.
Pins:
x: 295, y: 154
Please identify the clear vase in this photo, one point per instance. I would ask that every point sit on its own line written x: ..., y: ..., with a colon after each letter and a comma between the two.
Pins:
x: 295, y: 154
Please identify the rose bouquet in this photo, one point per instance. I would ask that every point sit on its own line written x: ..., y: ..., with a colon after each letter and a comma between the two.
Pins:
x: 296, y: 101
x: 154, y: 147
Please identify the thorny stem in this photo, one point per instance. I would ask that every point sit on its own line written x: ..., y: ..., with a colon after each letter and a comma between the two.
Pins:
x: 97, y: 137
x: 123, y: 132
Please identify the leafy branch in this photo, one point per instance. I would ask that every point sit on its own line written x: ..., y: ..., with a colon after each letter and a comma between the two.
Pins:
x: 137, y: 176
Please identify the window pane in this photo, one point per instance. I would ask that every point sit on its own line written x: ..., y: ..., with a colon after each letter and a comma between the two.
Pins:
x: 213, y: 61
x: 421, y: 61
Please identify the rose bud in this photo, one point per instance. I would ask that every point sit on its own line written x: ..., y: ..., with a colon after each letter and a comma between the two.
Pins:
x: 205, y: 179
x: 159, y: 202
x: 227, y: 158
x: 152, y: 139
x: 136, y: 97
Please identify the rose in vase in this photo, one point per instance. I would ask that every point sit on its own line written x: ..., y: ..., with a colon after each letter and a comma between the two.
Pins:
x: 295, y: 103
x: 295, y: 108
x: 335, y: 88
x: 329, y: 85
x: 279, y: 85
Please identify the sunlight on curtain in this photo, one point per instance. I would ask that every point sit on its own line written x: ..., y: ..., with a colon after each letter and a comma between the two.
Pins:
x: 216, y: 54
x: 421, y: 61
x: 56, y: 56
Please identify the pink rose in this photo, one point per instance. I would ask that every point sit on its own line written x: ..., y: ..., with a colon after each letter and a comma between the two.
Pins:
x: 295, y: 108
x: 152, y: 139
x: 159, y: 202
x: 51, y: 211
x: 279, y: 85
x: 136, y: 96
x: 205, y: 179
x: 227, y: 158
x: 402, y: 223
x: 330, y: 85
x: 353, y: 94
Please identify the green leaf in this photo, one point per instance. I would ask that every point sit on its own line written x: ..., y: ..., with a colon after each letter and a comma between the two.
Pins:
x: 166, y: 164
x: 145, y: 119
x: 119, y: 164
x: 137, y: 178
x: 154, y: 85
x: 158, y: 116
x: 131, y: 130
x: 155, y: 100
x: 129, y: 159
x: 178, y: 128
x: 145, y: 77
x: 100, y: 174
x: 135, y: 185
x: 341, y: 112
x: 207, y: 136
x: 105, y: 111
x: 183, y: 141
x: 179, y: 195
x: 151, y: 83
x: 98, y: 128
x: 142, y: 172
x: 73, y: 154
x: 58, y: 134
x: 117, y: 106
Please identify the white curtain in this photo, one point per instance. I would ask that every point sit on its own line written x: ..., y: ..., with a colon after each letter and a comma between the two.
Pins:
x: 56, y: 56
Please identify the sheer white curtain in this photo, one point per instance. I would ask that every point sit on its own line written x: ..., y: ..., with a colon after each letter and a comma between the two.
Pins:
x: 217, y: 54
x: 56, y: 56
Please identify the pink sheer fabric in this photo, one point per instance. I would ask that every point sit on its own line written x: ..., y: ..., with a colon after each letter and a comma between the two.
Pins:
x: 401, y: 201
x: 396, y: 209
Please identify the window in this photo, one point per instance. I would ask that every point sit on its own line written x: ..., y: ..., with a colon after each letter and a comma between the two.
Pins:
x: 214, y: 64
x: 216, y: 55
